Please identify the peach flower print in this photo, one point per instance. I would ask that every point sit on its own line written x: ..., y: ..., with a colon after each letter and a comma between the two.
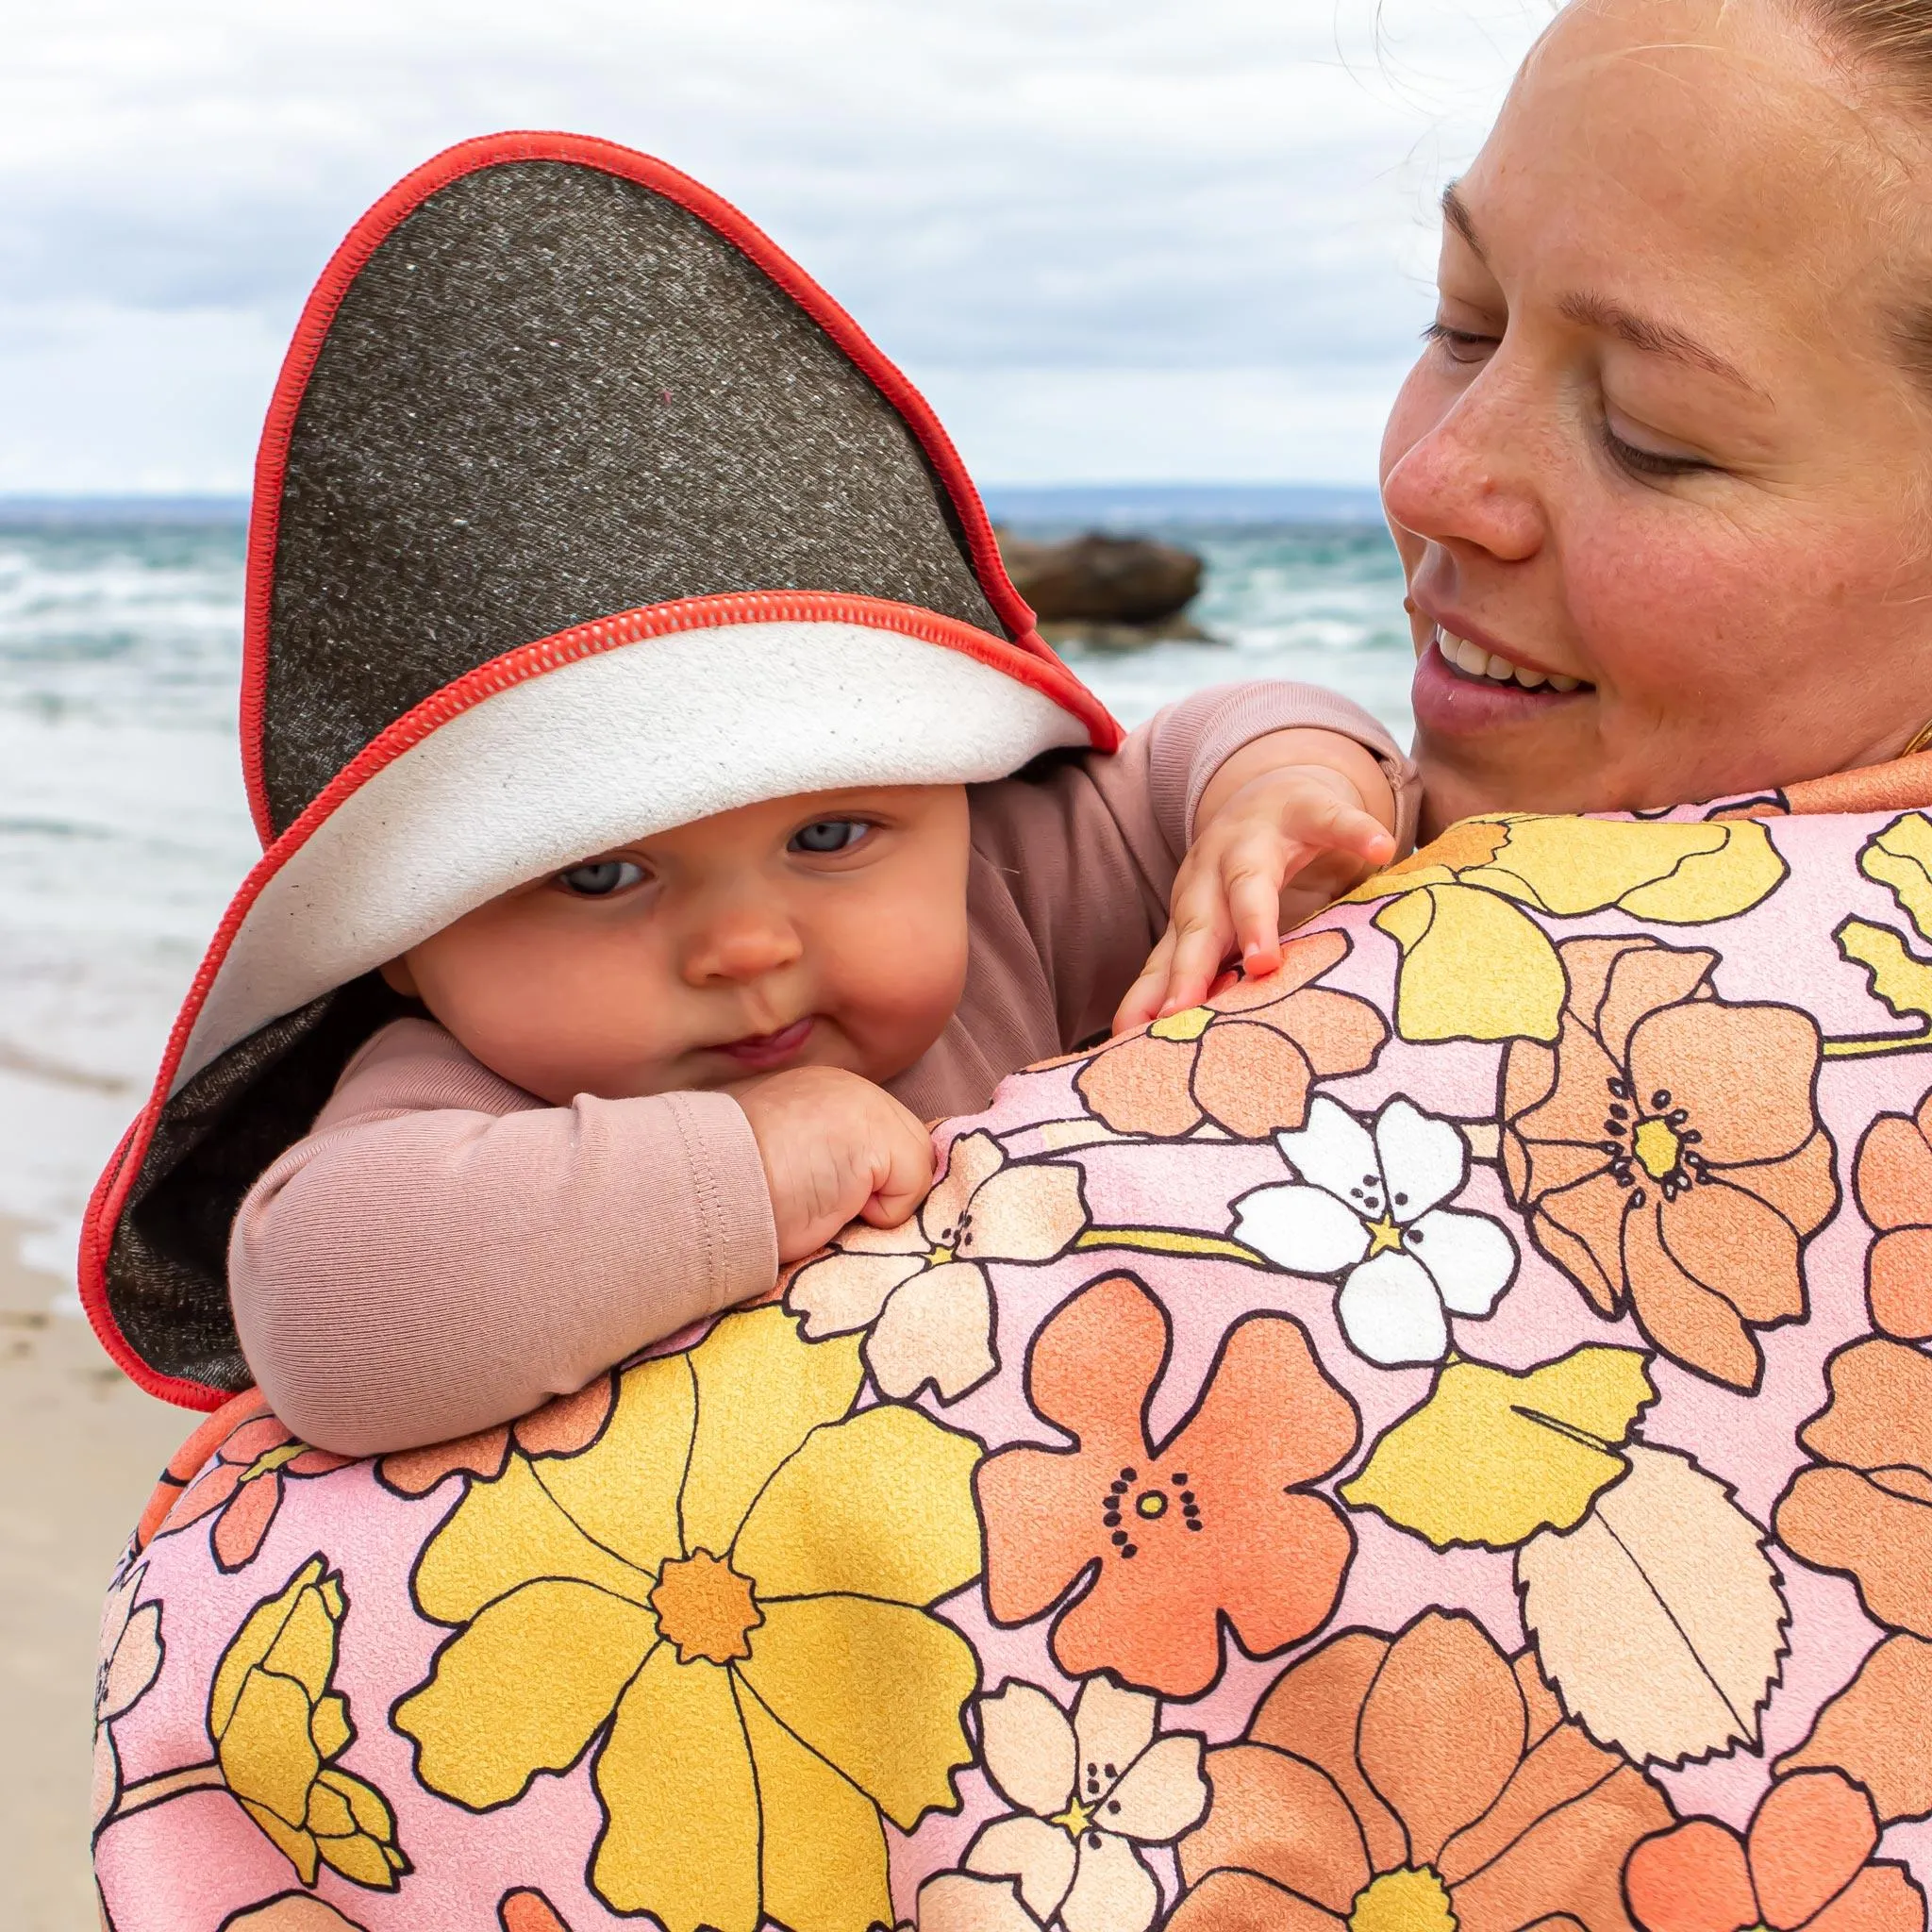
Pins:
x: 1805, y: 1861
x: 1864, y: 1508
x: 1221, y: 1519
x: 1893, y: 1182
x: 1425, y: 1781
x: 566, y: 1426
x: 1668, y: 1152
x: 1246, y: 1062
x: 240, y: 1486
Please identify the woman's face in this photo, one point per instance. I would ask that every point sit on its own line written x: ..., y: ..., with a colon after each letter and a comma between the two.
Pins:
x: 1664, y: 463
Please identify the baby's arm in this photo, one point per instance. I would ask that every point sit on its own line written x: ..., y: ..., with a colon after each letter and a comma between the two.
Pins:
x: 442, y: 1253
x: 1287, y: 824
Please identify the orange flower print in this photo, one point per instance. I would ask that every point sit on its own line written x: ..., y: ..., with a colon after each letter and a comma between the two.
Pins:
x: 1805, y: 1861
x: 240, y: 1486
x: 1244, y: 1062
x: 1893, y: 1182
x: 1668, y: 1152
x: 566, y: 1426
x: 1425, y: 1781
x: 1864, y: 1508
x: 1217, y: 1520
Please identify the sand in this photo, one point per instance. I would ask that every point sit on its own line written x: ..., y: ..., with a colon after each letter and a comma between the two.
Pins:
x: 83, y: 1445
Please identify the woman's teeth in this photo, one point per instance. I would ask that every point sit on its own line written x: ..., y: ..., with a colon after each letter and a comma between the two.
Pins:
x: 1478, y: 662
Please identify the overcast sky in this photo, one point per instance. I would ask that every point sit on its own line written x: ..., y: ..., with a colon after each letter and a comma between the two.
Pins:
x: 1111, y: 239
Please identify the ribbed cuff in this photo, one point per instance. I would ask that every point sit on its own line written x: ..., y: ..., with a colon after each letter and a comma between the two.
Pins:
x: 730, y: 1196
x: 1193, y: 739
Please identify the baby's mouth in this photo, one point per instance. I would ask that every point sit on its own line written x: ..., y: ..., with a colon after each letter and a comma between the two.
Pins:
x: 766, y: 1050
x: 1472, y: 661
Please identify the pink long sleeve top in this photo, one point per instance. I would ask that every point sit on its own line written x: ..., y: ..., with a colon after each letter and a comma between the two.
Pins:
x: 444, y: 1250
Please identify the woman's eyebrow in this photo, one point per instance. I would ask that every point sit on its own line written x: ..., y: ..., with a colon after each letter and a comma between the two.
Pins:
x: 1653, y: 338
x: 1455, y: 213
x: 1600, y: 312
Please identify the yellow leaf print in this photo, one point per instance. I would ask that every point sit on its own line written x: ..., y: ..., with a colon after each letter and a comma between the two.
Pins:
x: 277, y: 1724
x: 1901, y: 856
x: 731, y: 1591
x: 1682, y: 875
x: 1904, y: 983
x: 1472, y: 968
x: 1493, y: 1457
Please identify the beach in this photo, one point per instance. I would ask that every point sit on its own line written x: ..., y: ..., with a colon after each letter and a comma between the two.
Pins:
x: 82, y: 1445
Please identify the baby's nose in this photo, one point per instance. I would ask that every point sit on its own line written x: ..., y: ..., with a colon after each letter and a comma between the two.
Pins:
x: 743, y: 945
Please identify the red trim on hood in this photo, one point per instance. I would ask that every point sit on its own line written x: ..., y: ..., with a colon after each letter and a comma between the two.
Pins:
x: 497, y: 150
x: 1028, y: 661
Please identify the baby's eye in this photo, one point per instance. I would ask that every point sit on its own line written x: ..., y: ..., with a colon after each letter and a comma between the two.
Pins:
x: 601, y: 877
x: 830, y: 835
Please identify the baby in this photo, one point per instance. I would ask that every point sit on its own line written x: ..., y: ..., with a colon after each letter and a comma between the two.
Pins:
x: 602, y: 964
x: 649, y: 1079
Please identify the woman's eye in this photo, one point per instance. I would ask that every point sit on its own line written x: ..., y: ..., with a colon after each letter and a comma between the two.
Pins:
x: 1459, y: 345
x: 830, y: 835
x: 1649, y: 462
x: 601, y: 877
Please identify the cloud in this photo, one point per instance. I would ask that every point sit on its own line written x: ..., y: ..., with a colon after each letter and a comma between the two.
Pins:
x: 1152, y: 198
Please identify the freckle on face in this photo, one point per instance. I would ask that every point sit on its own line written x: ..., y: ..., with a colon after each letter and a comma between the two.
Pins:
x: 1709, y: 612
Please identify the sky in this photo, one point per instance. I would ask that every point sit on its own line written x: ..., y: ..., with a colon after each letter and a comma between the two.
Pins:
x: 1111, y: 239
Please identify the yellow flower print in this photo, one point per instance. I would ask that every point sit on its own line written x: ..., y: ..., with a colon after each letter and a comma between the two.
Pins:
x: 277, y: 1724
x: 1475, y: 968
x: 729, y: 1592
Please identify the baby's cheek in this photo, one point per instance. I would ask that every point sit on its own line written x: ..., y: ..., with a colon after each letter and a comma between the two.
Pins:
x: 894, y: 988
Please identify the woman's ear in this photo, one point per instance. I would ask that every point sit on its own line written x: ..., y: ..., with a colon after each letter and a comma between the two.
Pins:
x: 398, y: 978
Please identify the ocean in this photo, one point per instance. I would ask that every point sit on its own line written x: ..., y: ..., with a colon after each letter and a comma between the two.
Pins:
x: 124, y: 829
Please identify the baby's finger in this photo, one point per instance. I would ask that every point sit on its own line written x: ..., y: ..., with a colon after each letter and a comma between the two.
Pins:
x: 1254, y: 904
x: 1202, y: 939
x: 1338, y: 828
x: 905, y: 1174
x: 1142, y: 999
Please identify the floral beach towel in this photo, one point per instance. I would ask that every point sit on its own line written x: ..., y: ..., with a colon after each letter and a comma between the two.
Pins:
x: 1438, y: 1437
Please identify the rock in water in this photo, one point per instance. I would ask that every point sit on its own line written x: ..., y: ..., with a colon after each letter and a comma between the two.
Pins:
x: 1096, y: 578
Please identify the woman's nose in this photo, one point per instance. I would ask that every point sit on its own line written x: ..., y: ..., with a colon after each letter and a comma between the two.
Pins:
x: 738, y: 943
x: 1469, y: 479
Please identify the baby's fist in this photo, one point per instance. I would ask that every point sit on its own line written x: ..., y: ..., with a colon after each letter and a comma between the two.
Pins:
x: 835, y: 1148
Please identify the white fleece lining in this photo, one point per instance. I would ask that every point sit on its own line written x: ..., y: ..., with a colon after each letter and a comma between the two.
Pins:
x: 610, y: 748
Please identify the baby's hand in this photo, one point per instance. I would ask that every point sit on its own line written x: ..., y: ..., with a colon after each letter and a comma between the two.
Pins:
x: 835, y: 1147
x: 1304, y: 826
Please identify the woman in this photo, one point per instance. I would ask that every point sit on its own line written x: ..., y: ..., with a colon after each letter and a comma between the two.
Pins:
x: 1672, y: 435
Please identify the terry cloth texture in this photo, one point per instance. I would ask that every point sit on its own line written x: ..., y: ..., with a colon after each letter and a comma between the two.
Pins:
x: 1441, y: 1437
x: 443, y: 1252
x: 552, y: 395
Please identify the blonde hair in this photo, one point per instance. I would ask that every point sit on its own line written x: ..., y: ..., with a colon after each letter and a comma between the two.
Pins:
x: 1894, y: 35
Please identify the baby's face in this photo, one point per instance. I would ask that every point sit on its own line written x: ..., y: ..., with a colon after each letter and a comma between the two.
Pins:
x: 826, y: 929
x: 1669, y: 444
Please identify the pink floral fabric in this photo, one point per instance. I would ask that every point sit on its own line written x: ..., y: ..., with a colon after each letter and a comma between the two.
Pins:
x: 1439, y: 1440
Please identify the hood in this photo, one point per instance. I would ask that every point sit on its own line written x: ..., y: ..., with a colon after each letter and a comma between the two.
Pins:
x: 581, y: 512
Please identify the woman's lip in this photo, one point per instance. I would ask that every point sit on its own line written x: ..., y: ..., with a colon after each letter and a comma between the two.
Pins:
x: 769, y: 1049
x: 1455, y: 625
x: 1452, y: 702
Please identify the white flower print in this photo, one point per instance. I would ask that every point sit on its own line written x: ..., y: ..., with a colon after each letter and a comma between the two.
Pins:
x: 1368, y: 1208
x: 130, y: 1660
x: 1088, y: 1792
x: 922, y: 1288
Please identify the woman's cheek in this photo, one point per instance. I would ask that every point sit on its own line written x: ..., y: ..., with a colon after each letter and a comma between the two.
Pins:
x: 1660, y: 612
